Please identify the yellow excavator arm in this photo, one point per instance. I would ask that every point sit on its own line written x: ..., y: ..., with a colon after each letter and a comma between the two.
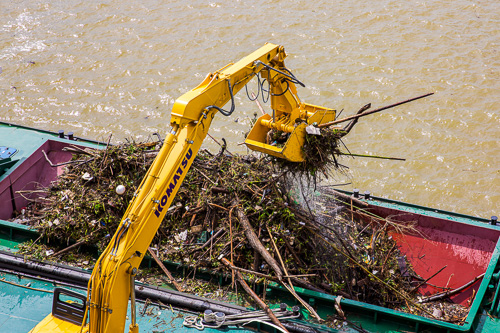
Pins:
x: 112, y: 280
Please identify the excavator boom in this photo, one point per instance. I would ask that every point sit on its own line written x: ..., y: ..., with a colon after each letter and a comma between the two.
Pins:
x: 112, y: 280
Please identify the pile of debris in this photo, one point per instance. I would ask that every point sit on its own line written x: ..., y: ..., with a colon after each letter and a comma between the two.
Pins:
x: 240, y: 208
x: 321, y: 153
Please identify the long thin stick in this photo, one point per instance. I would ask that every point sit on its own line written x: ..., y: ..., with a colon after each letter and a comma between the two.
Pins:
x: 231, y: 238
x: 248, y: 271
x: 209, y: 241
x: 69, y: 248
x: 372, y: 111
x: 83, y: 241
x: 289, y: 286
x: 217, y: 142
x: 375, y: 156
x: 60, y: 164
x: 258, y: 104
x: 256, y: 298
x: 210, y: 180
x: 164, y: 269
x: 450, y: 292
x: 105, y: 157
x: 254, y: 241
x: 430, y: 277
x: 350, y: 126
x: 345, y: 197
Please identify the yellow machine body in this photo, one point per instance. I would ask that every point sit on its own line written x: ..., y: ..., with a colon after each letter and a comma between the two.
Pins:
x: 112, y: 280
x: 56, y: 325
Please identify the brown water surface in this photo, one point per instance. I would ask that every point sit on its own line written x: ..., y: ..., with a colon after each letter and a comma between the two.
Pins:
x: 102, y: 67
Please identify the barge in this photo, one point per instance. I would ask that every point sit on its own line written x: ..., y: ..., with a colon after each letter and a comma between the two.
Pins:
x: 467, y: 247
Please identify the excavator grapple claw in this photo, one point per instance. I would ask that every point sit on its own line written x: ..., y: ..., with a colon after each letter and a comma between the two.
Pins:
x: 285, y: 137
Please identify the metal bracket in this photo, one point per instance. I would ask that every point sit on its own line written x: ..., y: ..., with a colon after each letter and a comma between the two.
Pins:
x: 7, y: 152
x: 72, y: 311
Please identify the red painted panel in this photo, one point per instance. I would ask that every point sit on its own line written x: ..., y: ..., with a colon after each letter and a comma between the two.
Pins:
x: 465, y: 257
x: 32, y: 173
x: 465, y: 249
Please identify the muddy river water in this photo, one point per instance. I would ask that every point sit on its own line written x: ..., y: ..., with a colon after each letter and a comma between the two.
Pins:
x: 115, y: 67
